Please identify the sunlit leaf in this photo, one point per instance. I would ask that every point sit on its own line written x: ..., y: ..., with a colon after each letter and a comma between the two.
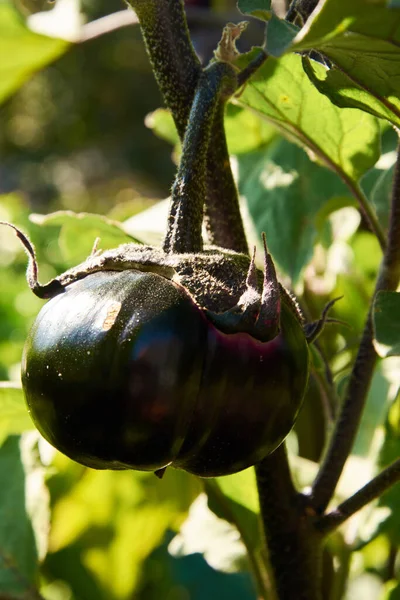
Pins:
x: 215, y: 538
x: 386, y: 317
x: 392, y: 587
x: 22, y: 52
x: 80, y: 230
x: 22, y: 497
x: 116, y: 519
x: 346, y: 141
x: 14, y: 416
x: 227, y: 499
x: 381, y: 195
x: 362, y: 40
x: 285, y: 192
x: 150, y: 224
x: 241, y: 488
x: 334, y: 17
x: 344, y: 92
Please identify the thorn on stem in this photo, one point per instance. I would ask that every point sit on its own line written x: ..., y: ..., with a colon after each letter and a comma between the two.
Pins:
x: 313, y: 330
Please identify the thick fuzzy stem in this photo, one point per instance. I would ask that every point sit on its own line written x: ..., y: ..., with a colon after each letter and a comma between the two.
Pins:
x: 293, y: 544
x: 217, y: 83
x: 177, y: 70
x: 223, y: 221
x: 349, y: 419
x: 174, y: 61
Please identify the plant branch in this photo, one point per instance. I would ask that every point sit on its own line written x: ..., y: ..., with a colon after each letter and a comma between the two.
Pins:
x: 222, y: 213
x: 293, y: 544
x: 172, y: 56
x: 177, y: 70
x: 257, y: 62
x: 372, y: 490
x: 185, y: 219
x: 350, y: 415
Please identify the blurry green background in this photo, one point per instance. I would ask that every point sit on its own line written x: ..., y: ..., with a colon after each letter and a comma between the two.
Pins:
x: 74, y: 137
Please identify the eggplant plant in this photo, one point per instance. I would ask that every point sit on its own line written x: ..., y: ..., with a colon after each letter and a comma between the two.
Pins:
x: 189, y: 357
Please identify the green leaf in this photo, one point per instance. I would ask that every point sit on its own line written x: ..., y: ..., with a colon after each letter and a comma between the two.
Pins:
x: 386, y: 319
x: 22, y: 52
x: 280, y: 35
x: 18, y: 548
x: 381, y: 195
x: 102, y: 513
x: 14, y: 416
x: 246, y: 131
x: 160, y: 121
x: 362, y: 40
x: 80, y: 230
x: 256, y: 8
x: 213, y: 537
x: 380, y: 397
x: 234, y: 498
x: 347, y: 141
x: 346, y: 93
x: 335, y: 17
x: 285, y: 192
x: 241, y: 488
x: 390, y: 452
x: 392, y: 588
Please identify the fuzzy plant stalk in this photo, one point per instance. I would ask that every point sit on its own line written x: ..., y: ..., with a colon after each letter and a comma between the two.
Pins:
x: 177, y: 70
x: 349, y: 418
x: 215, y: 85
x: 294, y: 544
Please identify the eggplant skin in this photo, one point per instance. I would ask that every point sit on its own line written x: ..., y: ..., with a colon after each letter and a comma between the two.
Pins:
x: 124, y: 371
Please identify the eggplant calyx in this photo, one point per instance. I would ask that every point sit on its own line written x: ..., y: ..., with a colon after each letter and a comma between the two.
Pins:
x: 256, y: 313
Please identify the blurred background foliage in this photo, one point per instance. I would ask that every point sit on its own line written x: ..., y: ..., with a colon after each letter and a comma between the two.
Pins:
x: 78, y: 136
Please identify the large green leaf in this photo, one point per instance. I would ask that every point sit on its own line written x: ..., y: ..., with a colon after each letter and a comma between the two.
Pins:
x: 386, y: 317
x: 285, y: 192
x: 22, y: 51
x: 334, y: 17
x: 234, y: 499
x: 14, y: 416
x: 108, y: 522
x: 80, y: 230
x: 362, y: 41
x: 347, y: 141
x: 23, y: 508
x: 346, y: 92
